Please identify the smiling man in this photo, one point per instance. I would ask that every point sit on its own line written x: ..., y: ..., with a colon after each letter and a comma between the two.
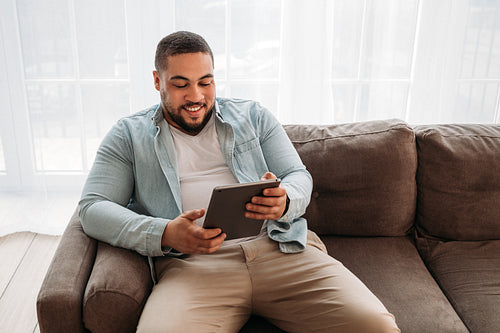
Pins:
x: 149, y: 188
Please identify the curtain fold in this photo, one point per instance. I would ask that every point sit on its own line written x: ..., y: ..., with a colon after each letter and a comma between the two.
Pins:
x: 305, y: 94
x: 70, y: 69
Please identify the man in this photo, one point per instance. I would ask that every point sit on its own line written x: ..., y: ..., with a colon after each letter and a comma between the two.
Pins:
x: 149, y: 188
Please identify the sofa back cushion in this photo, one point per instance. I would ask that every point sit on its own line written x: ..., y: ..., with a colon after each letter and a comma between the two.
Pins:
x: 364, y: 177
x: 459, y: 181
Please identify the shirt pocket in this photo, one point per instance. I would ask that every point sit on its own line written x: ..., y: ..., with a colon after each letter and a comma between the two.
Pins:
x: 250, y: 159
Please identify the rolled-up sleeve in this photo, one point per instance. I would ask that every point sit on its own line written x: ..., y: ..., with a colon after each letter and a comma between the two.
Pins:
x: 283, y: 160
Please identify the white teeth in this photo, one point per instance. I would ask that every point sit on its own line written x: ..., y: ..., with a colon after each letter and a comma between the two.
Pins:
x: 193, y: 109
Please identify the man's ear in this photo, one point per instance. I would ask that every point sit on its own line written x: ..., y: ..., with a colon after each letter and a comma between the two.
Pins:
x: 156, y: 77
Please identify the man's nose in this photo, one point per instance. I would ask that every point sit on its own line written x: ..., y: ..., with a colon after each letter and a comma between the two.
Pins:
x: 194, y: 94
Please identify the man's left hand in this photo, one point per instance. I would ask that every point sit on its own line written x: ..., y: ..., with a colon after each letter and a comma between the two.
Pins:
x: 270, y: 206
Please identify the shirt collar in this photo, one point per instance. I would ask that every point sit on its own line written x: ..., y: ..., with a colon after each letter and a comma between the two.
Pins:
x: 157, y: 115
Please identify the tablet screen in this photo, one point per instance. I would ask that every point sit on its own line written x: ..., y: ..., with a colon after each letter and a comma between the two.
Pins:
x: 226, y: 209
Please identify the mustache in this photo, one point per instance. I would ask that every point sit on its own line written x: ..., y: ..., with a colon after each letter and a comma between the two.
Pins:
x: 190, y: 105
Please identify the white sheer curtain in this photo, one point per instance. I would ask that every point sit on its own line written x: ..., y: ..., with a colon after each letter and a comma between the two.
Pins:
x: 70, y: 68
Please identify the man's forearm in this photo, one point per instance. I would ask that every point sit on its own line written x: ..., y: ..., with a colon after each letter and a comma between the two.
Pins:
x: 119, y: 226
x: 298, y: 185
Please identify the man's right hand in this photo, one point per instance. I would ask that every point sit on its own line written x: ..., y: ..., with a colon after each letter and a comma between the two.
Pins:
x: 184, y: 235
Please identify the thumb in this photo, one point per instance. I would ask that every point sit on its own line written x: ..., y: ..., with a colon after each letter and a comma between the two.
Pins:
x: 268, y: 175
x: 193, y: 214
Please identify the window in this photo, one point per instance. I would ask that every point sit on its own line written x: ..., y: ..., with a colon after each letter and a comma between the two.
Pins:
x: 71, y: 68
x: 2, y: 158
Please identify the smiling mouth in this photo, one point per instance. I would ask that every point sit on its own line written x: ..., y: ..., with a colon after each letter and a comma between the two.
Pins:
x: 193, y: 108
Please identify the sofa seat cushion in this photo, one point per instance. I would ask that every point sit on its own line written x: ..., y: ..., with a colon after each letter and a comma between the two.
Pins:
x: 469, y: 274
x: 117, y: 290
x: 459, y: 181
x: 393, y: 270
x: 364, y: 177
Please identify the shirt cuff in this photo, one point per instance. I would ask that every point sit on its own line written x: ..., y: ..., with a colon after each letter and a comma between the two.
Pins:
x: 155, y: 234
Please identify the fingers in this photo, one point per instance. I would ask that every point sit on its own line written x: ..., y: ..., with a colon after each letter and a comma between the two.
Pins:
x: 201, y: 241
x: 185, y: 236
x: 267, y: 207
x: 260, y: 212
x: 277, y: 198
x: 193, y: 214
x: 200, y: 232
x: 204, y: 234
x: 207, y: 246
x: 268, y: 175
x: 273, y: 192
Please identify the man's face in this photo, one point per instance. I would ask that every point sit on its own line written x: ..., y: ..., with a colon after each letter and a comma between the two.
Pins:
x: 187, y: 91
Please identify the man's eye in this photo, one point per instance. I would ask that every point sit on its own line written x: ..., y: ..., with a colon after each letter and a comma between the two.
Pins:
x: 205, y: 84
x: 180, y: 86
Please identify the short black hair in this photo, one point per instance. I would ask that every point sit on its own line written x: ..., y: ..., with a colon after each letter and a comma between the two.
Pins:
x: 178, y: 43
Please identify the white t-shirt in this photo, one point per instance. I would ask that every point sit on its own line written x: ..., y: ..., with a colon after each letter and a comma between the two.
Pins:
x: 201, y: 166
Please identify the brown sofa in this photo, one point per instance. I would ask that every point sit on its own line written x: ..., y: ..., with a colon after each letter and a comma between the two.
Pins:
x: 413, y: 212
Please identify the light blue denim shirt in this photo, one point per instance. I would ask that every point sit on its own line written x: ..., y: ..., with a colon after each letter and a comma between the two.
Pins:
x: 133, y: 189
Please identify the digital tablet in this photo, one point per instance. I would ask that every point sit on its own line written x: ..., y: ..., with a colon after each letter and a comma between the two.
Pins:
x: 226, y: 209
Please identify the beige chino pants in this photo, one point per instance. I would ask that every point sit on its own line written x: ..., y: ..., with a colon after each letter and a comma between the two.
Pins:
x: 303, y: 292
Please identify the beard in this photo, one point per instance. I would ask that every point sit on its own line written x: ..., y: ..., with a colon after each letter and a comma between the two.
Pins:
x: 190, y: 128
x: 175, y: 114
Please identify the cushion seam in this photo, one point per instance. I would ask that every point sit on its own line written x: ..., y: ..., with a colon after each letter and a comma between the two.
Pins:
x: 94, y: 294
x: 352, y: 135
x: 436, y: 132
x: 465, y: 135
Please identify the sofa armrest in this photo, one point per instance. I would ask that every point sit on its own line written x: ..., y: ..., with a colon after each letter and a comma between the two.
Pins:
x: 59, y: 303
x: 117, y: 290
